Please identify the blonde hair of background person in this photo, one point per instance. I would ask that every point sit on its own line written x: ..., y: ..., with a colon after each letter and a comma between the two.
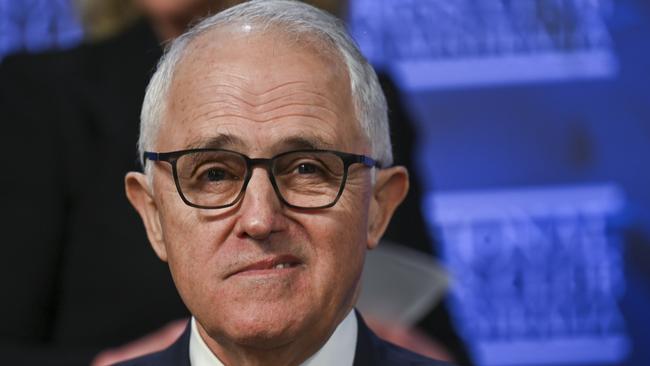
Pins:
x: 102, y: 19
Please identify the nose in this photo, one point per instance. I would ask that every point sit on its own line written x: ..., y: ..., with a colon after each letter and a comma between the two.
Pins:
x: 259, y: 213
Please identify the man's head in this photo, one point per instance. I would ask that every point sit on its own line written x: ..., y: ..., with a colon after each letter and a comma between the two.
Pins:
x: 262, y: 79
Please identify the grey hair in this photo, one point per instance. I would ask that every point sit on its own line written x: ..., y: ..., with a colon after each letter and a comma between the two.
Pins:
x: 296, y: 19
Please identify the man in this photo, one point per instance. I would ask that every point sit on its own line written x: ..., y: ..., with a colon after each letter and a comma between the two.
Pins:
x: 267, y: 176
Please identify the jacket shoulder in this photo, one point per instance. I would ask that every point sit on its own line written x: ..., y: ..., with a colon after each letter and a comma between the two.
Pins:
x: 374, y: 351
x: 178, y: 354
x: 395, y: 355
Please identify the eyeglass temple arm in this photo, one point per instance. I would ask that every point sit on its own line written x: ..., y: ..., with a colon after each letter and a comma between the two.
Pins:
x: 153, y: 156
x: 369, y: 162
x: 148, y: 155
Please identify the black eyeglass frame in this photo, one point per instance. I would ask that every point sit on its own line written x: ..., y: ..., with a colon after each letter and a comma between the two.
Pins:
x: 173, y: 156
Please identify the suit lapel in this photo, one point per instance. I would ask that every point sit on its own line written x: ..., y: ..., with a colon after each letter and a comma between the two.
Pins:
x: 366, y: 350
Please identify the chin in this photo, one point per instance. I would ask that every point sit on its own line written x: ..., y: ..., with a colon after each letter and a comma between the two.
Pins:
x: 263, y: 327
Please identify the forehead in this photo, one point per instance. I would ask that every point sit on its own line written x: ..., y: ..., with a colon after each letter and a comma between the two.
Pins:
x: 261, y: 87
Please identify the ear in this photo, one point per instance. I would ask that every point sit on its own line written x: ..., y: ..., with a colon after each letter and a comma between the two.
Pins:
x: 139, y: 194
x: 391, y: 186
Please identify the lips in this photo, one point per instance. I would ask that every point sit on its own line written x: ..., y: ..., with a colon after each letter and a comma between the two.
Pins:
x: 268, y: 265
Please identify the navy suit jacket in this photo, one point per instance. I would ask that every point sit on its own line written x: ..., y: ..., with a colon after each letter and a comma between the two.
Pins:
x: 370, y: 351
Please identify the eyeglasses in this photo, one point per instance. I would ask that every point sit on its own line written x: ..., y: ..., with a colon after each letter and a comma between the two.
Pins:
x: 216, y: 178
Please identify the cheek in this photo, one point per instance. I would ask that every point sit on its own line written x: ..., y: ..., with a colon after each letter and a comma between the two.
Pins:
x: 191, y: 240
x: 339, y: 242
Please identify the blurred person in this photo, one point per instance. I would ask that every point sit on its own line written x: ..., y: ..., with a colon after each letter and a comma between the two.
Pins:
x: 408, y: 229
x: 268, y: 174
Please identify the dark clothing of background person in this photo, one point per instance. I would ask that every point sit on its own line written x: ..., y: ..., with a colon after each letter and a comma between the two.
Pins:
x: 77, y: 270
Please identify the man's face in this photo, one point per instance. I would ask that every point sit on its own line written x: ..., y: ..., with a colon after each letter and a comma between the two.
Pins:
x: 257, y: 95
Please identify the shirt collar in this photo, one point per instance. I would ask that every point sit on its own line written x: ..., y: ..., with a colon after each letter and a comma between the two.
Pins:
x: 338, y: 350
x: 200, y: 354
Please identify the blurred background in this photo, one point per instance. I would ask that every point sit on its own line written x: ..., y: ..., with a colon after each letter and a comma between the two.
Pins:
x: 525, y: 124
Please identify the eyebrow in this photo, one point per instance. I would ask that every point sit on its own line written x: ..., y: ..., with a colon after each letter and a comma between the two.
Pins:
x: 301, y: 143
x: 231, y: 142
x: 220, y: 141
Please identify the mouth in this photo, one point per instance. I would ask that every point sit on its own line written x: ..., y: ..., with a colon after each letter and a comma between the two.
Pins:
x: 268, y: 266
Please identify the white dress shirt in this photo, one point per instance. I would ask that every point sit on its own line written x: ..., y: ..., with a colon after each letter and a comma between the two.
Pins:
x: 338, y: 350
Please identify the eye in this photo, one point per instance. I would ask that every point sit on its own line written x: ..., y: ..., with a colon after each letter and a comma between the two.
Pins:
x: 306, y: 168
x: 215, y: 175
x: 306, y: 165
